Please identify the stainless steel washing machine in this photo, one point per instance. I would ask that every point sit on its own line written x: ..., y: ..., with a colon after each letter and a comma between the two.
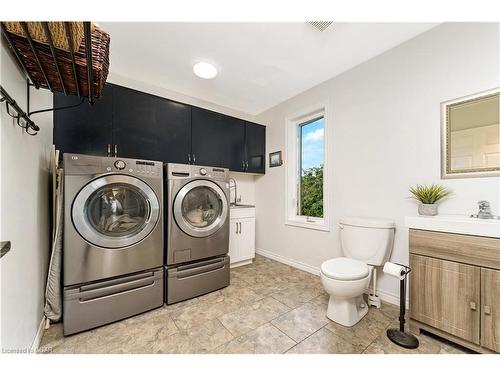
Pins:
x: 197, y: 230
x: 113, y: 239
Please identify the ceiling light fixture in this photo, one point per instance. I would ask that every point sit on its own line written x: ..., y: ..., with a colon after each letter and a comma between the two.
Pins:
x: 204, y: 70
x: 320, y: 25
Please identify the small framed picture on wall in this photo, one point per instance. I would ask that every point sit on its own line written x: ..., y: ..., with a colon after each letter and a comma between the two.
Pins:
x: 275, y: 159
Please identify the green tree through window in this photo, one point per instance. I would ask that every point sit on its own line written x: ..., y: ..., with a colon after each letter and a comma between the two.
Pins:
x: 311, y: 197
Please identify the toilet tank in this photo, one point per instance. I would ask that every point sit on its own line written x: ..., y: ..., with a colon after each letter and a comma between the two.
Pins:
x: 369, y: 240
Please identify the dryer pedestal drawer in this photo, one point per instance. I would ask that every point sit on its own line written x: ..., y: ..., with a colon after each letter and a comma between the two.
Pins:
x: 195, y: 279
x: 92, y: 305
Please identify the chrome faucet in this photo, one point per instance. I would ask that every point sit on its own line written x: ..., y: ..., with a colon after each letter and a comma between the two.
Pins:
x: 484, y: 211
x: 235, y: 190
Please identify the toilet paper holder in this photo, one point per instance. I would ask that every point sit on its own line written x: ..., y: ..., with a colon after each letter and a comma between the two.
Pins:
x: 400, y: 337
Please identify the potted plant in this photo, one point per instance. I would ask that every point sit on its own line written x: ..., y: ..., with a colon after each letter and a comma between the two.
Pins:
x: 428, y: 196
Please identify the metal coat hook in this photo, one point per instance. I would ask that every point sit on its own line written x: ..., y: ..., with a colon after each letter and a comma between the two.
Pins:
x: 13, y: 110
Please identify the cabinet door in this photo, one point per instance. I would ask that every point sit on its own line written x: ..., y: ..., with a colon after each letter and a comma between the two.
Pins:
x: 490, y: 309
x: 446, y: 295
x: 247, y: 238
x: 217, y: 140
x: 255, y: 140
x: 85, y: 129
x: 234, y: 244
x: 149, y: 127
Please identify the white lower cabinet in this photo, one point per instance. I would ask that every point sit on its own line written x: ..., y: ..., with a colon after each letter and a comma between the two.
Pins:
x: 242, y: 236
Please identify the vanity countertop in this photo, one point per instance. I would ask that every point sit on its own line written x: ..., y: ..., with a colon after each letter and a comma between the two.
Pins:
x: 455, y: 224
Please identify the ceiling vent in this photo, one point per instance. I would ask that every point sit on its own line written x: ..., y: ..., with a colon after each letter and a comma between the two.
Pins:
x: 320, y: 25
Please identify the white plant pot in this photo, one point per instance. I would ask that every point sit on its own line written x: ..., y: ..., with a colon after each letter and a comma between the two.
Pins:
x: 428, y: 209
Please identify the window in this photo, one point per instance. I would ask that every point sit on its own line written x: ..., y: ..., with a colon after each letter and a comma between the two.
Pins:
x: 311, y: 161
x: 306, y: 170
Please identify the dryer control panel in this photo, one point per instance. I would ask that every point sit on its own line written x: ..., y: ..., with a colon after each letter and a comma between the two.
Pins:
x: 183, y: 171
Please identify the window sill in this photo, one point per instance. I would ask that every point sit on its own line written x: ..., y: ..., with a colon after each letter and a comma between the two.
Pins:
x: 321, y: 226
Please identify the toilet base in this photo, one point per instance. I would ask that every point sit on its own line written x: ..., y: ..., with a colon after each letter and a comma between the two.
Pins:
x: 346, y: 311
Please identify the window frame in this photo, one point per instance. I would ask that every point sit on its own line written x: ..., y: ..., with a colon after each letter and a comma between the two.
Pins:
x: 293, y: 151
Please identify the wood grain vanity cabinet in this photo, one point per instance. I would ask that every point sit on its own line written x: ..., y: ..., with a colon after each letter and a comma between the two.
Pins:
x: 490, y: 317
x: 455, y: 287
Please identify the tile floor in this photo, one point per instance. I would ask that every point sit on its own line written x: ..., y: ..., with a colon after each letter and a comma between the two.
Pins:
x: 268, y: 308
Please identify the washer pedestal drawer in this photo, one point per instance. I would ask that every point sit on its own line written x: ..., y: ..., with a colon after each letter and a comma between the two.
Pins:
x: 194, y: 279
x: 95, y: 304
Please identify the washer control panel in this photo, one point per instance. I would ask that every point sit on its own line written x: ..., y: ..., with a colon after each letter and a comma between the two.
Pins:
x: 148, y: 168
x: 76, y: 164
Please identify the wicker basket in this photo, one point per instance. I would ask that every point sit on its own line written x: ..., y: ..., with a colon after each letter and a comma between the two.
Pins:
x: 57, y: 33
x: 100, y: 64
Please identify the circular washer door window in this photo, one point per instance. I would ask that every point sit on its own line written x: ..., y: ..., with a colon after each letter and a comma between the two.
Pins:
x: 115, y: 211
x: 200, y: 208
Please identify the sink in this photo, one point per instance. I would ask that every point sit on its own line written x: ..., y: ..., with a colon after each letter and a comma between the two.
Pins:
x: 455, y: 224
x: 241, y: 205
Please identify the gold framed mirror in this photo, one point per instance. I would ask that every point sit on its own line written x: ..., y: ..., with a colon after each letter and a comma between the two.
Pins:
x: 470, y: 136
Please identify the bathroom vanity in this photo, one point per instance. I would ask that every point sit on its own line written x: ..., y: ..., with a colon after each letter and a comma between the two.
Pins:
x: 455, y: 279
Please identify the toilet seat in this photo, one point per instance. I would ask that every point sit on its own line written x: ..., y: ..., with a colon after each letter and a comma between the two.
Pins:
x: 345, y: 269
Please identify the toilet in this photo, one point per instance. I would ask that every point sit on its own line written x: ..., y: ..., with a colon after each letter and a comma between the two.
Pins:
x: 366, y: 243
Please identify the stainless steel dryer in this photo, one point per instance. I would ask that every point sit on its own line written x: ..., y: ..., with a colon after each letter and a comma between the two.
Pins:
x: 197, y: 230
x: 113, y: 239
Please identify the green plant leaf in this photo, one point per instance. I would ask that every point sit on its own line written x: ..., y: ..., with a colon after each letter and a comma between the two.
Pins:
x: 429, y: 194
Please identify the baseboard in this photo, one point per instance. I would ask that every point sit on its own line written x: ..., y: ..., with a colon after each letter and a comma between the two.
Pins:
x: 241, y: 263
x: 290, y: 262
x: 38, y: 337
x: 391, y: 298
x: 384, y: 296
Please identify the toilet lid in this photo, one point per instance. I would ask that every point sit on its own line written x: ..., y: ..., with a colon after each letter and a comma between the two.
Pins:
x: 345, y: 269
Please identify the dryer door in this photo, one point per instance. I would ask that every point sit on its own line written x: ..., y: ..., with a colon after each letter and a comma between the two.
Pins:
x: 115, y: 211
x: 200, y: 208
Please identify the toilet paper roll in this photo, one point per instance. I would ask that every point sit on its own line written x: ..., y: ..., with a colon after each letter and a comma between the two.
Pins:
x: 394, y: 270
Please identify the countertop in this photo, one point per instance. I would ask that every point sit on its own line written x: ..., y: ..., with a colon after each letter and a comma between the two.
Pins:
x: 460, y: 224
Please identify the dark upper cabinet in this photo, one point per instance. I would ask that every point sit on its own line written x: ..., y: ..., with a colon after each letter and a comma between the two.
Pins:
x: 137, y: 125
x: 84, y: 129
x: 217, y: 140
x: 149, y: 127
x: 255, y: 141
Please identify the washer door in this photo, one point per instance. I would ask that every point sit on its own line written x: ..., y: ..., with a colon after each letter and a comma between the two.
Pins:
x: 115, y: 211
x: 200, y: 208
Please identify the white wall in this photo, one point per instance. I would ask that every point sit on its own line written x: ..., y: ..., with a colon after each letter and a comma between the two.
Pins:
x: 24, y: 208
x: 245, y: 187
x: 385, y: 115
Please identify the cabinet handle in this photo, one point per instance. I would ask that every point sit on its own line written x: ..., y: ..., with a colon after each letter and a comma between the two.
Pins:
x: 116, y: 150
x: 243, y: 165
x: 236, y: 228
x: 189, y: 158
x: 487, y: 310
x: 240, y: 227
x: 109, y: 150
x: 194, y: 158
x: 473, y: 305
